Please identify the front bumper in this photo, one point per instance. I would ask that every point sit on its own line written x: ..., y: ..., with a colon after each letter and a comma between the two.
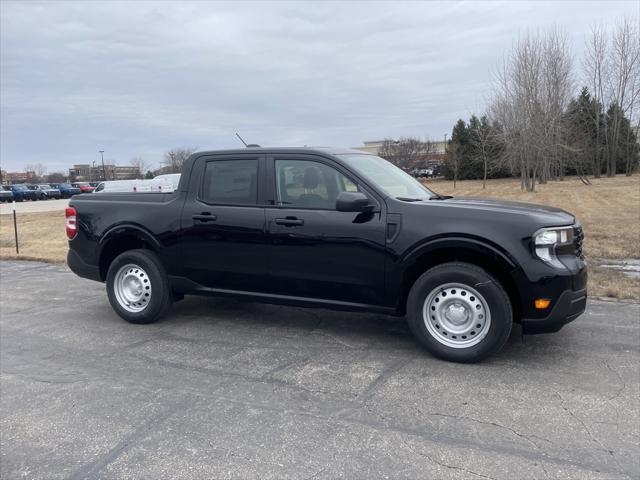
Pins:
x: 569, y: 306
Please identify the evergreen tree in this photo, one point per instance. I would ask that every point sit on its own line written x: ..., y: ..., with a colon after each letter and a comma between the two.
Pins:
x: 584, y: 144
x: 458, y: 150
x: 624, y: 145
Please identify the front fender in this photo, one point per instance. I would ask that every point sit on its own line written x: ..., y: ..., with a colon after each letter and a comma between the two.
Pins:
x: 409, y: 265
x: 461, y: 241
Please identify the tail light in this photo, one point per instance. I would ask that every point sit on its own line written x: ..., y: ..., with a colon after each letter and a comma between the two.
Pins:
x: 72, y: 227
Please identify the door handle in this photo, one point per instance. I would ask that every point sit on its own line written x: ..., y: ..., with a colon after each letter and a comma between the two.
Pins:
x: 204, y: 217
x: 289, y: 221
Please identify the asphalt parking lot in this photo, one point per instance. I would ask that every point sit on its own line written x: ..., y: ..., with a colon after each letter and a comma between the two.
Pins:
x: 223, y: 389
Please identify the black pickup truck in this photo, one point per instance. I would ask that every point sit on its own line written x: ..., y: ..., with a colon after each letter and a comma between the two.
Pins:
x: 337, y: 229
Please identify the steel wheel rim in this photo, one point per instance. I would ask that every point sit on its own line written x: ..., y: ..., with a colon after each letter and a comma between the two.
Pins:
x: 456, y: 315
x: 132, y: 288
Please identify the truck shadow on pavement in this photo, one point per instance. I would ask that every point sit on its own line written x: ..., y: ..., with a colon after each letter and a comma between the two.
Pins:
x: 262, y: 324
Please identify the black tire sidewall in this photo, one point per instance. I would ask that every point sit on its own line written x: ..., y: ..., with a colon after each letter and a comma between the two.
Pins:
x: 160, y: 291
x: 485, y: 284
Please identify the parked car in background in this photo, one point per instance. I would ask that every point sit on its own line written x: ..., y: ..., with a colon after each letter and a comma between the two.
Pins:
x: 21, y: 192
x: 158, y: 184
x: 45, y: 191
x: 115, y: 186
x: 422, y: 172
x: 6, y: 195
x: 173, y: 178
x: 66, y: 189
x: 85, y: 187
x: 134, y: 186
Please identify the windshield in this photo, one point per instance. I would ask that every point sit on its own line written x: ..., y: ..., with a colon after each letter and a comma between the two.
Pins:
x: 389, y: 178
x: 46, y: 187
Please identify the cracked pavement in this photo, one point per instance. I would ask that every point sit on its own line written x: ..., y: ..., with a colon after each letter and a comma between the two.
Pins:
x: 224, y: 389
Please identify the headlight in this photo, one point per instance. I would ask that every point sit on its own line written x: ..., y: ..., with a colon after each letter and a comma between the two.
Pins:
x: 546, y: 241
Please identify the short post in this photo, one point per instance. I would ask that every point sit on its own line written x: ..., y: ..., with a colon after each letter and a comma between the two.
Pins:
x: 15, y: 226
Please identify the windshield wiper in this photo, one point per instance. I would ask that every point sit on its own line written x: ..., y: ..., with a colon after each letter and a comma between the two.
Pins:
x: 440, y: 197
x: 408, y: 199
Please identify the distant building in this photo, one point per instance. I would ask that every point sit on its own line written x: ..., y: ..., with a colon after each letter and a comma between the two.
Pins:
x: 94, y: 173
x: 17, y: 177
x: 435, y: 157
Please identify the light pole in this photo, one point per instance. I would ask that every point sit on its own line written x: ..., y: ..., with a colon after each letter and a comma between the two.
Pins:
x: 104, y: 173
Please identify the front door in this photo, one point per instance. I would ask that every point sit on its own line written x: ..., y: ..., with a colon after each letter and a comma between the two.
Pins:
x: 314, y: 250
x: 223, y: 224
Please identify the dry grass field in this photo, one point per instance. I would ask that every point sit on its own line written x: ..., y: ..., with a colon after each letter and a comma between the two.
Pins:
x: 609, y: 211
x: 41, y: 236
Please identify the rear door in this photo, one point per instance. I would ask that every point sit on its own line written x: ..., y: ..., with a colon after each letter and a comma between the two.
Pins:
x: 314, y: 250
x: 223, y: 242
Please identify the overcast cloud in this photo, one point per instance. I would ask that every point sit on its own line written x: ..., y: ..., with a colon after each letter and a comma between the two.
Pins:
x: 140, y: 78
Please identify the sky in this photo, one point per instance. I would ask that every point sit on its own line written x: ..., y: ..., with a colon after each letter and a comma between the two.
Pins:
x: 139, y: 78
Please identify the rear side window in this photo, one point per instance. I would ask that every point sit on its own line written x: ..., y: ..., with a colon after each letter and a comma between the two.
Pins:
x: 231, y: 182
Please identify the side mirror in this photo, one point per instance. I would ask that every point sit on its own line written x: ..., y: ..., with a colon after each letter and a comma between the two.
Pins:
x: 353, y: 202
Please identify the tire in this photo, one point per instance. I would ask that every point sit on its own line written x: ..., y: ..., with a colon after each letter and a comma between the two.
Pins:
x: 138, y: 287
x: 459, y: 312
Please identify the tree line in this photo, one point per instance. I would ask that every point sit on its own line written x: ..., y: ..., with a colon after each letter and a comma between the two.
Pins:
x: 171, y: 163
x: 406, y: 152
x: 537, y: 128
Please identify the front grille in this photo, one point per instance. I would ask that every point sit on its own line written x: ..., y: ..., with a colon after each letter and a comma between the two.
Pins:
x: 578, y: 237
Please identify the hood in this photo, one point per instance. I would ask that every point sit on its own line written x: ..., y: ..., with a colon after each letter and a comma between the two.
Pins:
x: 550, y: 216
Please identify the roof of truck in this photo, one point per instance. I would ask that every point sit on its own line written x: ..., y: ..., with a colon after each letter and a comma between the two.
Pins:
x: 267, y: 150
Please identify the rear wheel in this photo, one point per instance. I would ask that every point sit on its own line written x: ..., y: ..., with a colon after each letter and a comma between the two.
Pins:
x: 459, y: 312
x: 137, y: 286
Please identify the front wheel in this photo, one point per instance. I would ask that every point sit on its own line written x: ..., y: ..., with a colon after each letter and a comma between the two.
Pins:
x: 459, y: 312
x: 137, y: 286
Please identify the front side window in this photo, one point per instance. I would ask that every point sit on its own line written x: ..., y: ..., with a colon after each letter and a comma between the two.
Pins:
x: 309, y: 184
x: 231, y: 182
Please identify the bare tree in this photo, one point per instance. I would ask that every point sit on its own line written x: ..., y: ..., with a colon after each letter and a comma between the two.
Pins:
x: 483, y: 141
x: 596, y: 71
x: 38, y: 169
x: 141, y: 164
x: 557, y: 87
x: 531, y: 91
x: 625, y: 82
x: 56, y: 177
x: 175, y: 158
x: 406, y: 151
x: 453, y: 152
